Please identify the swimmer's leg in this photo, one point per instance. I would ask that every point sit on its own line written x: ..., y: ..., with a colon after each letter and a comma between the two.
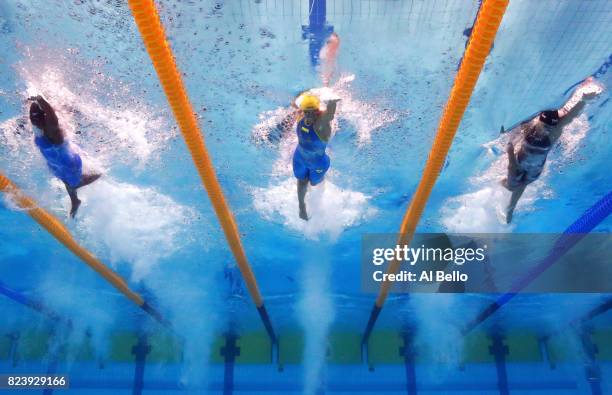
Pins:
x: 317, y: 174
x: 74, y: 199
x: 302, y: 187
x: 300, y: 171
x: 516, y: 195
x: 87, y: 179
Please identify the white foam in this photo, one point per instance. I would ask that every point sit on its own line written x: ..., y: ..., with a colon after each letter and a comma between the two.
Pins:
x: 483, y: 209
x: 480, y: 211
x: 325, y: 93
x: 573, y: 134
x: 438, y: 336
x: 132, y: 224
x: 283, y: 165
x: 121, y: 130
x: 18, y: 154
x: 203, y: 299
x: 365, y: 117
x: 332, y: 209
x: 184, y: 303
x: 316, y: 314
x: 268, y: 121
x: 9, y: 201
x: 9, y: 138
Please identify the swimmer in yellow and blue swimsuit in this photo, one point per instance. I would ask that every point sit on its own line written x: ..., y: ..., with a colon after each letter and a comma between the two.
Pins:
x: 310, y: 162
x: 63, y: 161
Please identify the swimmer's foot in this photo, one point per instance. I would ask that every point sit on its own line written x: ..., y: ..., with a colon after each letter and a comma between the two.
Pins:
x: 75, y: 207
x: 500, y: 214
x: 303, y: 213
x: 508, y: 218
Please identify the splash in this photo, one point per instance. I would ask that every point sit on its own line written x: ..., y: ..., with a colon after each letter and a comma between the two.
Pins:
x: 96, y: 112
x: 476, y: 210
x: 271, y: 124
x: 10, y: 200
x: 316, y: 313
x: 483, y: 210
x: 332, y: 209
x: 70, y: 296
x: 19, y: 154
x: 191, y: 299
x: 572, y: 136
x: 438, y: 336
x: 12, y: 133
x: 131, y: 224
x: 365, y: 117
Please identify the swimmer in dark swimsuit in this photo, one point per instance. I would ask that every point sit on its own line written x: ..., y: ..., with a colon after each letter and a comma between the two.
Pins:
x: 310, y: 162
x: 534, y: 140
x: 62, y: 160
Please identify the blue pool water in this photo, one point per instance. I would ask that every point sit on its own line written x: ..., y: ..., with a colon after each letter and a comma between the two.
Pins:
x: 243, y: 61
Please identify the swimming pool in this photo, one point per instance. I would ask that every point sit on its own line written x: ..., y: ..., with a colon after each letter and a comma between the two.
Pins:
x: 243, y: 62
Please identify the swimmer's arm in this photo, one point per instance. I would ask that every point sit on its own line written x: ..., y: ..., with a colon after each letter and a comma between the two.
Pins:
x: 512, y: 162
x: 288, y: 121
x: 571, y: 109
x: 330, y: 111
x: 574, y: 106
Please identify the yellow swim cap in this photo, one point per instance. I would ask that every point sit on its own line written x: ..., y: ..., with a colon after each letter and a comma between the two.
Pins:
x: 309, y: 102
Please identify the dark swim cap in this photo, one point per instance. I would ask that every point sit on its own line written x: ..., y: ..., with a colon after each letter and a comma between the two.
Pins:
x: 550, y: 117
x: 37, y: 115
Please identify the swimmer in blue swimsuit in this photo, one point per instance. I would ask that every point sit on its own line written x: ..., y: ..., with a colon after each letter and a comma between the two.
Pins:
x: 62, y: 160
x: 310, y: 162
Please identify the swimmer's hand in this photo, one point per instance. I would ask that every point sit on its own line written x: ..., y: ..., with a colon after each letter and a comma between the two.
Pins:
x: 590, y: 95
x: 590, y: 90
x: 588, y: 80
x: 35, y: 98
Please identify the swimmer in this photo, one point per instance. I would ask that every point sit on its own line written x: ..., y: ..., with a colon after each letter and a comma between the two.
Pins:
x: 62, y: 160
x: 534, y: 140
x: 310, y: 162
x: 329, y: 53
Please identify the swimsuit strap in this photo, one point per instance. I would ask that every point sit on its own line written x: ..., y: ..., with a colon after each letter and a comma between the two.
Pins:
x: 312, y: 127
